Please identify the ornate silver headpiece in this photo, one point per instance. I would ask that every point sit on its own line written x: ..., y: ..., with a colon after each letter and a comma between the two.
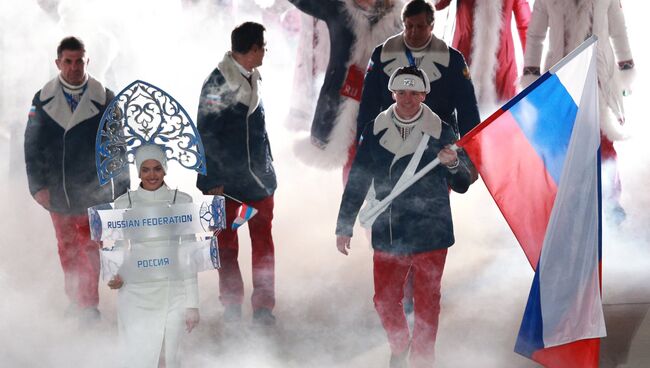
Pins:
x: 145, y: 114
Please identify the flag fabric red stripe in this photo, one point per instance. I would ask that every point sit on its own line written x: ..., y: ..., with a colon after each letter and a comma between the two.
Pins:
x: 581, y: 353
x: 527, y: 205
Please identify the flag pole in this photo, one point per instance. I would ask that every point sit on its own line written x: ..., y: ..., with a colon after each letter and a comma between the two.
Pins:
x: 572, y: 54
x: 233, y: 198
x: 368, y: 216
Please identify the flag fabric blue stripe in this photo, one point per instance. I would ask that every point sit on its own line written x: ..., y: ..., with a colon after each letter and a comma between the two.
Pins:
x: 530, y: 335
x: 546, y: 116
x: 249, y: 212
x: 526, y: 91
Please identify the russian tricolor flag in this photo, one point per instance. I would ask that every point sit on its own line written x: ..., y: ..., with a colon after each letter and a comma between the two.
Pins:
x: 539, y: 158
x: 245, y: 214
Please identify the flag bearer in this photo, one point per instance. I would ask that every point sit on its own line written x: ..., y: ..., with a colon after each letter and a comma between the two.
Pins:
x: 414, y: 232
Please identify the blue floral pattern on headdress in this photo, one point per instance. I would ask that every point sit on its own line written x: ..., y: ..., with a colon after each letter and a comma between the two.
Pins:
x: 145, y: 114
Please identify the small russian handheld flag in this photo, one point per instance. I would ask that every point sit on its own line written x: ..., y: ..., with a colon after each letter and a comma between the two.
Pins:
x: 246, y: 212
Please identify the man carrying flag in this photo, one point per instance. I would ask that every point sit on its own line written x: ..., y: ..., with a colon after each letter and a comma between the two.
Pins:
x: 240, y: 166
x: 414, y: 231
x: 539, y: 158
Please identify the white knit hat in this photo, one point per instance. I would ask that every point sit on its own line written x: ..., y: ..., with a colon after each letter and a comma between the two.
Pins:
x: 150, y: 152
x: 409, y: 78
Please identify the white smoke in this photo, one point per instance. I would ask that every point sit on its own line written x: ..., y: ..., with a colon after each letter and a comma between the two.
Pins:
x: 324, y: 300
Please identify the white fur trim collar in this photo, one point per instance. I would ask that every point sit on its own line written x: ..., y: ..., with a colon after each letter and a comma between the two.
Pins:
x: 58, y: 109
x: 429, y: 124
x: 246, y: 93
x: 394, y: 54
x: 367, y: 35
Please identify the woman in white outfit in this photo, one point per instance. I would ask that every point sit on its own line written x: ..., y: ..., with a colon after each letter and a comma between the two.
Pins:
x: 565, y: 25
x: 152, y: 313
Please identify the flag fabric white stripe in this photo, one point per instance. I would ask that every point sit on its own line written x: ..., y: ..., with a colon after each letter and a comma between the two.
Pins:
x: 568, y: 269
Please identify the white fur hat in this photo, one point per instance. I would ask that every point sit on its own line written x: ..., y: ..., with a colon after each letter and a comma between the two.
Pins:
x: 409, y: 78
x: 150, y: 152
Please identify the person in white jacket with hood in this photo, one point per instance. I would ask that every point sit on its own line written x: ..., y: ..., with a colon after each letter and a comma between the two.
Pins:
x: 569, y: 23
x: 152, y: 313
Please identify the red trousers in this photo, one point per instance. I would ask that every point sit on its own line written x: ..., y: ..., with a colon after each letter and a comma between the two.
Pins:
x: 79, y: 257
x: 231, y: 285
x: 390, y: 273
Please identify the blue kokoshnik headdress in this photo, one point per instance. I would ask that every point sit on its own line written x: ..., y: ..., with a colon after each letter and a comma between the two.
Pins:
x: 145, y: 114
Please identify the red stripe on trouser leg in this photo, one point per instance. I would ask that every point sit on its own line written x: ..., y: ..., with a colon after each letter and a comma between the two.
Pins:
x: 263, y: 257
x: 389, y: 272
x: 79, y: 256
x: 427, y: 271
